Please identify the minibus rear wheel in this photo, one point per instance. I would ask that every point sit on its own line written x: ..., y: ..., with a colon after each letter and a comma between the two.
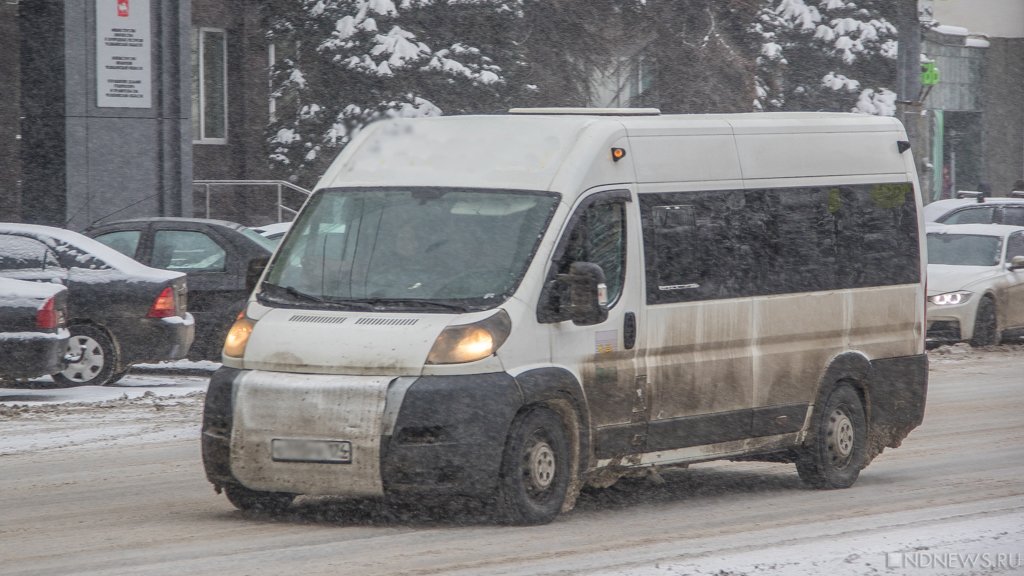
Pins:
x: 838, y: 450
x: 254, y: 501
x: 534, y: 469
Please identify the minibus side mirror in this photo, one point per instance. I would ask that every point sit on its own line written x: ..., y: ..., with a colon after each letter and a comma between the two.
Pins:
x: 587, y: 289
x: 1016, y: 263
x: 253, y: 271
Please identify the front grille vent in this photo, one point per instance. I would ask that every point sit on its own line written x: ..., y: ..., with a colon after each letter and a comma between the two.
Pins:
x: 386, y: 321
x: 311, y: 319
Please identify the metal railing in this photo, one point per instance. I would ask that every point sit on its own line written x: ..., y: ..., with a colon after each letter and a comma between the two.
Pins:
x: 279, y: 185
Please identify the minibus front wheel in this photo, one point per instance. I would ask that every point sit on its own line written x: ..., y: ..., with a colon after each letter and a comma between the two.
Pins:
x: 248, y: 500
x: 535, y: 468
x: 838, y: 449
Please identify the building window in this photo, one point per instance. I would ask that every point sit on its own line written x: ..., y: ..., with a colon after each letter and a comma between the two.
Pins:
x: 209, y: 86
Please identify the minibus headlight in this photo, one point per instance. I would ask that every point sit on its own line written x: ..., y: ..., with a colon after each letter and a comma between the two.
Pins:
x: 238, y: 336
x: 950, y: 298
x: 470, y: 342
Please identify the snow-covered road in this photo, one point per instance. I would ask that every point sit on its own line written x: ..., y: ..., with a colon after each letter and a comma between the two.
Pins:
x: 115, y: 487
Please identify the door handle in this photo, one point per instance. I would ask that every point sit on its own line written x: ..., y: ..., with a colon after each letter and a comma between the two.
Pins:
x: 629, y: 330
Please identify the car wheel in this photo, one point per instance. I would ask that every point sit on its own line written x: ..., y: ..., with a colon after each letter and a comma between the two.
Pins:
x: 248, y: 500
x: 96, y: 359
x: 985, y: 331
x: 838, y: 442
x: 535, y: 468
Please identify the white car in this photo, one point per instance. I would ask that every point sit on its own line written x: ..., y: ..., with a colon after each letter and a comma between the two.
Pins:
x: 977, y: 210
x: 276, y: 231
x: 975, y: 282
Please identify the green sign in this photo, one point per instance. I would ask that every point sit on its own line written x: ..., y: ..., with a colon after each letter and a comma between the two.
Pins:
x: 929, y: 74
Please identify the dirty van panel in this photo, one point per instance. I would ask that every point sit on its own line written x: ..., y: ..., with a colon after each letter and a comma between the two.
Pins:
x: 697, y: 359
x: 795, y: 338
x: 698, y: 362
x: 886, y: 321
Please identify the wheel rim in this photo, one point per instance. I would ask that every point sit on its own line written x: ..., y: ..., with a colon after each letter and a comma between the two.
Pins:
x: 89, y: 364
x: 540, y: 466
x: 840, y: 438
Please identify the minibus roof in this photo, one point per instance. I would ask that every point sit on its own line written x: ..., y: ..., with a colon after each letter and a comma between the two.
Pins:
x: 572, y: 151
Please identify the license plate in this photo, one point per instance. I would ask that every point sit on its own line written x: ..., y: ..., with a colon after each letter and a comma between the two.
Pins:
x: 299, y: 450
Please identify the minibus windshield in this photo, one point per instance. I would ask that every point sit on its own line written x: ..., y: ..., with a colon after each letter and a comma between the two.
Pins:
x: 964, y: 249
x: 428, y: 249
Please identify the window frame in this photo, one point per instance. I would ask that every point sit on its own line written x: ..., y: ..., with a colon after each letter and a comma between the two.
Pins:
x: 199, y: 91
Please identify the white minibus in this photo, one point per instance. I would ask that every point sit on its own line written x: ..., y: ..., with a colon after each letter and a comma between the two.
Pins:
x: 509, y: 307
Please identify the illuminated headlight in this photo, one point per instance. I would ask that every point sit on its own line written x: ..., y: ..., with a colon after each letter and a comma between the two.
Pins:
x: 470, y: 342
x: 238, y: 336
x: 950, y: 298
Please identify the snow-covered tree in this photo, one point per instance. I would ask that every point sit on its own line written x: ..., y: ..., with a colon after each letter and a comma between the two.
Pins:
x: 344, y: 63
x: 835, y: 55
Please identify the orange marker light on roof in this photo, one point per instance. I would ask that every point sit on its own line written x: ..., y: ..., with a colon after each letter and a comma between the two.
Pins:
x: 618, y: 154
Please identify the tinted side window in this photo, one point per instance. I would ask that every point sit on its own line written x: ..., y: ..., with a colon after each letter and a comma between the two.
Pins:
x: 21, y: 253
x: 738, y: 243
x: 976, y: 215
x: 1013, y: 215
x: 704, y: 245
x: 124, y: 241
x: 186, y: 250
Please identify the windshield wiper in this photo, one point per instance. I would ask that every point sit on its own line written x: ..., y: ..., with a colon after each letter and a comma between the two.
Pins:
x: 291, y: 291
x: 368, y: 304
x: 377, y: 303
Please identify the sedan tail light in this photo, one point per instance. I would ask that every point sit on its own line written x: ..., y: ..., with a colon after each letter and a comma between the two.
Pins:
x: 164, y: 305
x: 49, y: 317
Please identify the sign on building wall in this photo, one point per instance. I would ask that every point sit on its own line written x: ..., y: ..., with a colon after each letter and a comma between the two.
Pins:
x: 123, y: 54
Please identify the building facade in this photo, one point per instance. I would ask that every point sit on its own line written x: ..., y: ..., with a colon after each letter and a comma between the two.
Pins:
x: 111, y: 109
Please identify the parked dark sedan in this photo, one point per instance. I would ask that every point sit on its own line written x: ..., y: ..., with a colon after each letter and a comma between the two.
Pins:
x: 119, y: 312
x: 216, y: 255
x: 33, y: 328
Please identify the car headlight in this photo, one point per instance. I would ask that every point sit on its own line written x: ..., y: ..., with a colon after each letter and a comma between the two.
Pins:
x: 470, y: 342
x: 238, y: 336
x: 950, y: 298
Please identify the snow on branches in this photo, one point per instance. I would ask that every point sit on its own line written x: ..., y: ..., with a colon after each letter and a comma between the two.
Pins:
x: 344, y: 63
x: 826, y: 55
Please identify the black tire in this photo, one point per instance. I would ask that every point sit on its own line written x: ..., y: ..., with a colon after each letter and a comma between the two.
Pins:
x: 838, y: 449
x: 98, y: 359
x: 985, y: 331
x: 248, y: 500
x: 534, y: 469
x: 116, y: 377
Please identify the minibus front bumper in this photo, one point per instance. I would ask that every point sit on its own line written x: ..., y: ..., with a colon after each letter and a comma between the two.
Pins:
x: 337, y: 435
